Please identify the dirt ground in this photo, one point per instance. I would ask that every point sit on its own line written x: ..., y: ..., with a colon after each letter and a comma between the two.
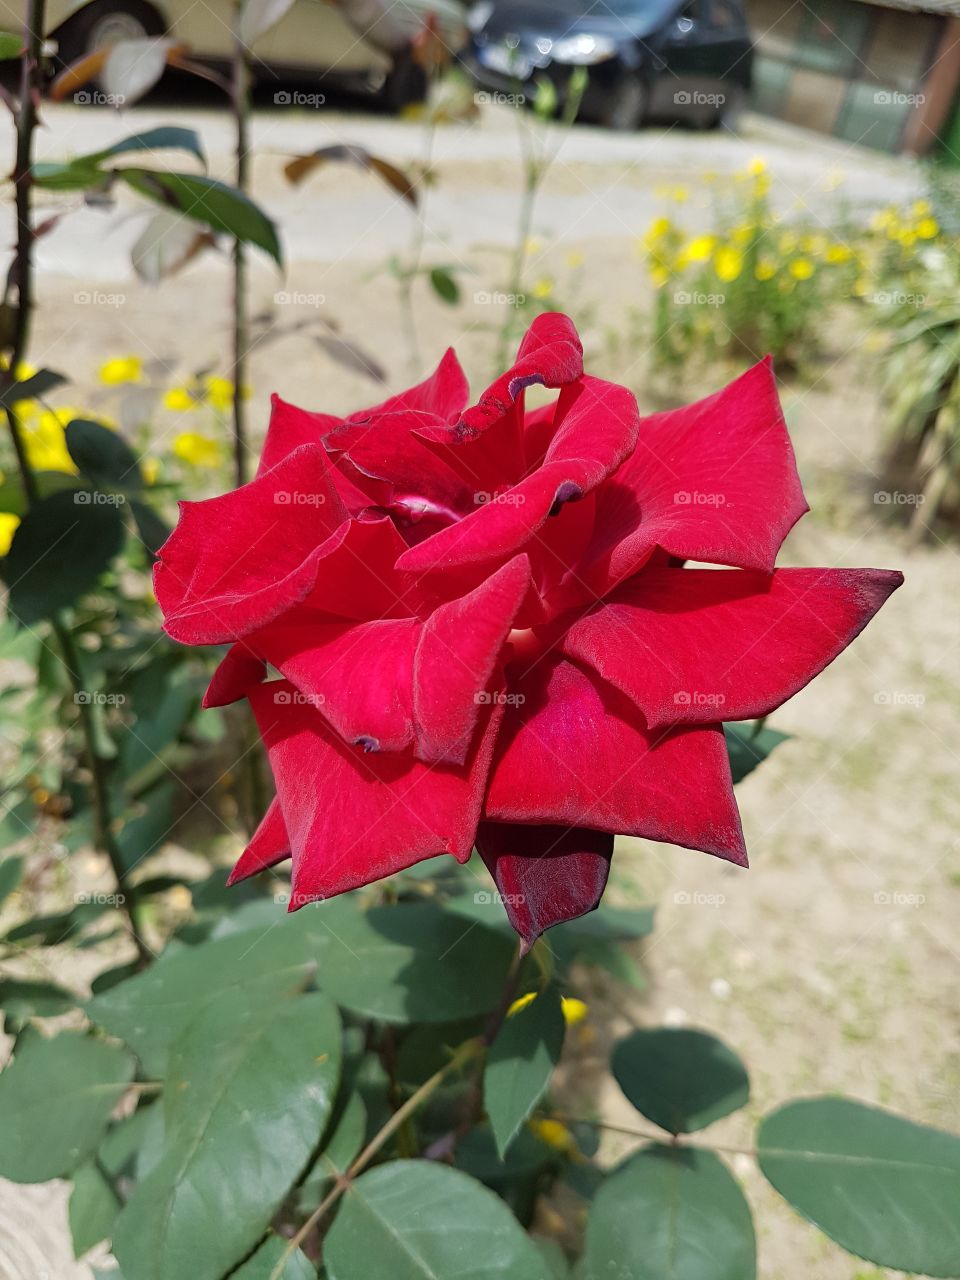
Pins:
x: 833, y: 964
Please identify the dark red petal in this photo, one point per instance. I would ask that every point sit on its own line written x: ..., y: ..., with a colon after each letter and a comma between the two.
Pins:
x: 235, y: 562
x: 714, y: 481
x: 239, y: 670
x: 575, y: 752
x: 354, y: 817
x: 359, y: 676
x: 598, y: 429
x: 288, y: 429
x: 696, y: 645
x: 459, y: 646
x: 545, y: 875
x: 268, y: 845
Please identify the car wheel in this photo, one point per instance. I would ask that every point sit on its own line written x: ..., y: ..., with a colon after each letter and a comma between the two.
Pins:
x: 103, y: 23
x: 627, y: 105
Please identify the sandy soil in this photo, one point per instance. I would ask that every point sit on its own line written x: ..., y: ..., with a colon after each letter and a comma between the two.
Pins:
x: 832, y: 964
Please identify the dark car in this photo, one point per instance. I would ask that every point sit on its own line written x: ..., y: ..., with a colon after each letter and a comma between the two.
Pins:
x: 646, y: 59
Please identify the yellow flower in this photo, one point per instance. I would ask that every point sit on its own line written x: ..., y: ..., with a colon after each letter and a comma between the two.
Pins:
x: 574, y: 259
x: 765, y: 269
x: 219, y: 391
x: 179, y: 399
x: 555, y: 1135
x: 700, y: 248
x: 574, y: 1010
x: 45, y: 444
x: 838, y: 253
x: 728, y: 263
x: 814, y: 244
x: 543, y: 288
x: 883, y: 220
x: 198, y: 450
x: 680, y: 194
x: 8, y: 527
x: 907, y: 238
x: 658, y: 228
x: 743, y: 233
x: 757, y: 166
x: 860, y: 286
x: 121, y: 369
x: 927, y: 228
x: 788, y: 242
x: 533, y: 244
x: 521, y: 1003
x: 659, y: 276
x: 921, y: 208
x: 150, y: 467
x: 801, y: 268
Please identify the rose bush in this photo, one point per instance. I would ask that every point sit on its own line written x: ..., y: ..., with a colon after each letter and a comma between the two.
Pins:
x: 486, y: 631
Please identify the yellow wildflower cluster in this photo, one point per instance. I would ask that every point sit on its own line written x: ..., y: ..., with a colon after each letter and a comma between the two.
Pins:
x: 909, y: 228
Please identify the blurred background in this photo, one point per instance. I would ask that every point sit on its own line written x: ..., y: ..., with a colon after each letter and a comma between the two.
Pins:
x: 697, y: 184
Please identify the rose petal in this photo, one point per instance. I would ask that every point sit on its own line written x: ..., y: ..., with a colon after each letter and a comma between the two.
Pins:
x: 268, y: 845
x: 714, y: 481
x: 692, y: 645
x: 545, y: 875
x: 458, y: 648
x: 235, y: 562
x: 353, y: 817
x: 575, y: 752
x: 239, y: 670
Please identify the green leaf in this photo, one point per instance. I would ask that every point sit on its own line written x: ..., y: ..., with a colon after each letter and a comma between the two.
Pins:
x: 341, y: 1144
x: 151, y: 1010
x: 413, y: 963
x: 11, y: 873
x: 444, y: 285
x: 55, y: 1103
x: 416, y: 1220
x: 680, y: 1079
x: 248, y: 1092
x: 75, y: 175
x: 62, y: 926
x: 93, y: 1209
x: 152, y: 529
x: 882, y: 1187
x: 261, y: 1266
x: 163, y: 138
x: 102, y: 455
x: 62, y: 546
x: 11, y: 46
x: 520, y: 1063
x: 38, y: 384
x: 670, y: 1213
x: 749, y: 745
x: 21, y: 1000
x: 212, y: 203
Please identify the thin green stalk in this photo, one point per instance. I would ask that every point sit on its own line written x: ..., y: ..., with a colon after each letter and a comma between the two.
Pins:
x: 240, y: 100
x: 31, y: 85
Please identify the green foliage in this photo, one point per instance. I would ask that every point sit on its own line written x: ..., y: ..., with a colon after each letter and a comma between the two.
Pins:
x: 749, y: 745
x: 682, y: 1080
x: 671, y: 1214
x: 55, y: 1103
x: 520, y: 1064
x: 419, y: 1221
x: 880, y: 1186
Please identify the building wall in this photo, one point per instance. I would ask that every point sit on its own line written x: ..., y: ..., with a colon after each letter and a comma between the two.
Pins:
x: 848, y: 68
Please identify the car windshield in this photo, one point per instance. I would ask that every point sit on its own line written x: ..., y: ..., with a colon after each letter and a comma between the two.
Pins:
x: 616, y: 8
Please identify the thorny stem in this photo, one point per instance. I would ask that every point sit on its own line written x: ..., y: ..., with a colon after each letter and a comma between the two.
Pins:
x: 652, y: 1135
x: 30, y: 90
x: 240, y: 99
x: 399, y: 1117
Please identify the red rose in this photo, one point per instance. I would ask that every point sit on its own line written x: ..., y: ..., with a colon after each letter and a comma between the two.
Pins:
x: 485, y: 630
